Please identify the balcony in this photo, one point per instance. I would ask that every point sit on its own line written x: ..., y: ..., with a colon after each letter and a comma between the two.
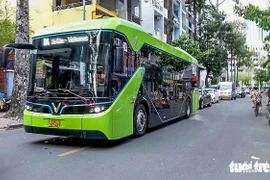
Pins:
x: 164, y: 38
x: 176, y: 23
x: 157, y: 7
x: 157, y: 34
x: 177, y: 2
x: 165, y: 13
x: 135, y: 19
x: 70, y: 5
x: 94, y: 9
x: 106, y: 9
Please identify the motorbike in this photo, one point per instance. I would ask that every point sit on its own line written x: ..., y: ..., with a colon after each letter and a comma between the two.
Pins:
x: 5, y: 104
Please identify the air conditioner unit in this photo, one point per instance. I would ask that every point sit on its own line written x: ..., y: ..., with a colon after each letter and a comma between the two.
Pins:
x: 157, y: 17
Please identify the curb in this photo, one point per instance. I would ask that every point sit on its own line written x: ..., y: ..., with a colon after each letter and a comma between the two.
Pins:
x: 14, y: 126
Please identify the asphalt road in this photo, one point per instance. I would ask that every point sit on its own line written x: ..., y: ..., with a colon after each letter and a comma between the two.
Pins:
x: 201, y: 147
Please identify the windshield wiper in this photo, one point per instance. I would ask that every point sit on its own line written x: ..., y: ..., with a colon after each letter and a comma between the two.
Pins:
x: 42, y: 93
x: 66, y: 90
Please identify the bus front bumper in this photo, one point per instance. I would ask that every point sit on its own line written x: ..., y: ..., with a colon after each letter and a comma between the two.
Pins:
x: 86, y: 134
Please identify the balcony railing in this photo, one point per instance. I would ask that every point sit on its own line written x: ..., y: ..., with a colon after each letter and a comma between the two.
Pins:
x: 105, y: 8
x: 72, y: 5
x: 164, y: 38
x: 165, y: 13
x: 157, y: 5
x: 135, y: 19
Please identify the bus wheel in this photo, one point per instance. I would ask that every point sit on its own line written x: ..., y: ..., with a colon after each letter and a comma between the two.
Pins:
x: 188, y: 109
x: 140, y: 120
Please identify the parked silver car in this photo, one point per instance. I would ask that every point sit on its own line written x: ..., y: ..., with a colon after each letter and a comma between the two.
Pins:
x: 215, y: 97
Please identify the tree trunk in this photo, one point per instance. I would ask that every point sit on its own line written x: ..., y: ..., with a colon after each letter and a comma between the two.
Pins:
x: 206, y: 79
x: 237, y: 74
x: 234, y: 69
x: 228, y: 77
x: 231, y: 70
x: 21, y: 73
x: 169, y: 22
x: 195, y: 20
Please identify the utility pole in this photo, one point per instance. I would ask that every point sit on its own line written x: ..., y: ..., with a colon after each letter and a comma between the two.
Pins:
x: 84, y: 10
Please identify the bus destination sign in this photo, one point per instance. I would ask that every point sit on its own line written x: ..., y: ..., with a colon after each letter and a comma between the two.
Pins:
x: 63, y: 40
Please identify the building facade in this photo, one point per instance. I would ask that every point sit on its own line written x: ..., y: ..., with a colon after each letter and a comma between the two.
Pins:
x: 254, y: 40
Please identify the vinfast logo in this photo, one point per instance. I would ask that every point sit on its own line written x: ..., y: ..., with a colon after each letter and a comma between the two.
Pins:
x: 56, y: 109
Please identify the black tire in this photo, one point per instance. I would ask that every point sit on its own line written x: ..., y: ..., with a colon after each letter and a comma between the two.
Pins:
x: 140, y: 120
x: 201, y: 104
x: 188, y: 109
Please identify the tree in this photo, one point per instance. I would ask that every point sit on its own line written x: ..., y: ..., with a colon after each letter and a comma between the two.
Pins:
x: 203, y: 57
x: 214, y: 28
x: 6, y: 11
x: 235, y: 44
x: 260, y: 76
x: 7, y: 27
x: 20, y: 85
x: 244, y: 59
x: 245, y: 80
x: 7, y: 32
x: 196, y: 7
x: 261, y: 17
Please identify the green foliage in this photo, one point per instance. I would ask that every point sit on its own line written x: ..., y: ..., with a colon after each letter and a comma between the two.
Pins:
x: 192, y: 47
x: 7, y: 32
x: 7, y: 26
x: 260, y: 76
x: 261, y: 17
x: 245, y: 80
x: 254, y: 13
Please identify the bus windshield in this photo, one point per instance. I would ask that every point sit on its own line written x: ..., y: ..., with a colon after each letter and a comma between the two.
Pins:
x: 225, y: 87
x: 77, y: 63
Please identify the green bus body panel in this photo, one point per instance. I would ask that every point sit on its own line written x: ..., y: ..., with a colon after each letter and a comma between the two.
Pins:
x: 135, y: 34
x: 115, y: 123
x: 195, y: 100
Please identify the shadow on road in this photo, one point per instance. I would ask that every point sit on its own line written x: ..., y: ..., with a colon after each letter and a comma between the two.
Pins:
x: 77, y: 142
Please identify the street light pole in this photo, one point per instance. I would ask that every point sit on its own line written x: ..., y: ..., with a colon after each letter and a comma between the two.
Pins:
x: 84, y: 10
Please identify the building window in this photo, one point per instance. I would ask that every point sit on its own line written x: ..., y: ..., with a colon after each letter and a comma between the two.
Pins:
x: 58, y: 3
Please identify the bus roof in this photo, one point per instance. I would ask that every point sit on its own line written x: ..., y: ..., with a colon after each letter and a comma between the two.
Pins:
x: 225, y: 83
x: 135, y: 34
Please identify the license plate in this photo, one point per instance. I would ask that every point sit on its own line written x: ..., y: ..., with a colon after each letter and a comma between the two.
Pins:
x: 53, y: 123
x: 223, y: 96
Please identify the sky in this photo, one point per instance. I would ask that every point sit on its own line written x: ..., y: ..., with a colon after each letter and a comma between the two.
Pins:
x: 228, y: 5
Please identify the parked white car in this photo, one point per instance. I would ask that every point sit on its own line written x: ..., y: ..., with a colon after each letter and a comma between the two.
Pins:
x: 214, y: 94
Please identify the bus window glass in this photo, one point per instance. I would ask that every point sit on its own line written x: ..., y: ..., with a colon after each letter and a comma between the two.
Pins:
x: 78, y: 62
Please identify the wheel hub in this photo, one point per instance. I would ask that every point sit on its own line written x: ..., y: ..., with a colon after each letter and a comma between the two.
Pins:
x: 141, y: 120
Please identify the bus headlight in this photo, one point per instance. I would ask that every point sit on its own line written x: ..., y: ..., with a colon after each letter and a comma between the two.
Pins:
x: 98, y: 108
x: 28, y: 107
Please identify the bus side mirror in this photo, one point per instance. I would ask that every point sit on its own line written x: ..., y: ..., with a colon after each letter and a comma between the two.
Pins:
x: 8, y: 47
x: 4, y: 56
x: 119, y: 60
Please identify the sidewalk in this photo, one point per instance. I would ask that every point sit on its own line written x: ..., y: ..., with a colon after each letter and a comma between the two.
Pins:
x: 9, y: 124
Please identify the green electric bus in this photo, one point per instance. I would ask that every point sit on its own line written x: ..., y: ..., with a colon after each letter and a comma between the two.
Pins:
x: 106, y: 79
